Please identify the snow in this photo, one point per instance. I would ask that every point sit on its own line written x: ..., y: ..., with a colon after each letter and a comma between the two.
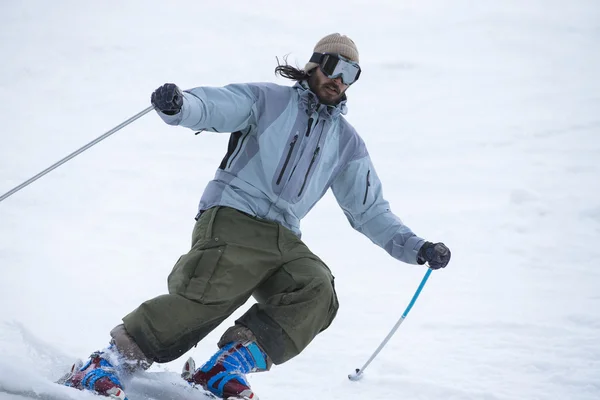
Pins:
x: 483, y: 119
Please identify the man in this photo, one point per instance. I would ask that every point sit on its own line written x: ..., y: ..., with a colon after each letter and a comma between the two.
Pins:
x: 288, y: 147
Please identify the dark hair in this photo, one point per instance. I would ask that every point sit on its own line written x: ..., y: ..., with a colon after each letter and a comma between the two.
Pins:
x: 290, y: 72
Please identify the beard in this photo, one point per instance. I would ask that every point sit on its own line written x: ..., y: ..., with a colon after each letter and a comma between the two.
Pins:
x: 327, y: 93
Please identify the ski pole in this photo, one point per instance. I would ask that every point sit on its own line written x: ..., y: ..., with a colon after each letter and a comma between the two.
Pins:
x: 76, y: 153
x: 359, y: 371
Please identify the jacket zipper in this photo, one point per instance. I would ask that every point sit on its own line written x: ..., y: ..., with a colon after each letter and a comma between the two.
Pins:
x: 287, y: 158
x: 238, y: 150
x: 312, y: 161
x: 310, y: 121
x: 367, y: 187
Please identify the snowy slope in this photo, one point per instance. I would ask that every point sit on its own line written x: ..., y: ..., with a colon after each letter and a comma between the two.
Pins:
x: 482, y: 118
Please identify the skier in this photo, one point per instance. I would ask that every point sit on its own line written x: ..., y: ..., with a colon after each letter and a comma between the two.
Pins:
x: 289, y: 145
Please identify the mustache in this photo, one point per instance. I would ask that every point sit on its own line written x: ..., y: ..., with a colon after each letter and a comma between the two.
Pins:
x: 332, y: 87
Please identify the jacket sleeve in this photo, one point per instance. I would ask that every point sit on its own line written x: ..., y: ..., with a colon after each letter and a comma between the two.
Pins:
x: 358, y: 191
x: 226, y: 109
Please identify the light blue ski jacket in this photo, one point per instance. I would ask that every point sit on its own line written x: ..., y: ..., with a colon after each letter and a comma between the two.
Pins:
x: 285, y: 151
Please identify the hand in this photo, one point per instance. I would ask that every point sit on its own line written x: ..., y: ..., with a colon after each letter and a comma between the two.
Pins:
x: 167, y: 99
x: 437, y: 255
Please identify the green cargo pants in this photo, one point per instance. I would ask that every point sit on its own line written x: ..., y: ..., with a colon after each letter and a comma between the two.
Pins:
x: 235, y: 256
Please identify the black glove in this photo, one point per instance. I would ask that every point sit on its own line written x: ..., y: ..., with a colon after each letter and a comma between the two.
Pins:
x: 168, y: 99
x: 436, y: 254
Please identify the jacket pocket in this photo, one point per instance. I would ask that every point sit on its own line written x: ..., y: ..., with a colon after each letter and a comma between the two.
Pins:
x: 312, y: 162
x: 287, y: 158
x: 367, y: 185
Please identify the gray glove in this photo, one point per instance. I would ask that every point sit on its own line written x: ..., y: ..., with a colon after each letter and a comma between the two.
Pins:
x: 437, y: 255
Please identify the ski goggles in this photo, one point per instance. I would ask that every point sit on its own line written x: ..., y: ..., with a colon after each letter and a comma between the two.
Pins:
x: 335, y: 65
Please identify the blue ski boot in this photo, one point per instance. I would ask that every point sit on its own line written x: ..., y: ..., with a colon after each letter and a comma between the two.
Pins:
x: 97, y: 375
x: 105, y: 371
x: 224, y: 374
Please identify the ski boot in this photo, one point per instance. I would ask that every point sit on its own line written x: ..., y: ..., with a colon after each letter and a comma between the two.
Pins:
x: 98, y: 375
x: 224, y: 374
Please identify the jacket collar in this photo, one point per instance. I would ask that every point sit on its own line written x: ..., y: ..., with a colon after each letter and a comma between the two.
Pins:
x: 310, y: 101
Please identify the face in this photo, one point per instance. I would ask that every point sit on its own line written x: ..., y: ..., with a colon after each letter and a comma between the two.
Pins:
x: 329, y: 91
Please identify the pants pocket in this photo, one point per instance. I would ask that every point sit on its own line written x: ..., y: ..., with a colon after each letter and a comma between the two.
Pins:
x: 192, y: 272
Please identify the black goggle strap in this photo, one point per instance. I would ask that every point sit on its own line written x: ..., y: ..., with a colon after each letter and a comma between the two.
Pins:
x: 316, y: 58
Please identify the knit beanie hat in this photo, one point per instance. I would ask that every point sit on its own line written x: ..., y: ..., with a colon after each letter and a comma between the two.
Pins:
x: 337, y: 44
